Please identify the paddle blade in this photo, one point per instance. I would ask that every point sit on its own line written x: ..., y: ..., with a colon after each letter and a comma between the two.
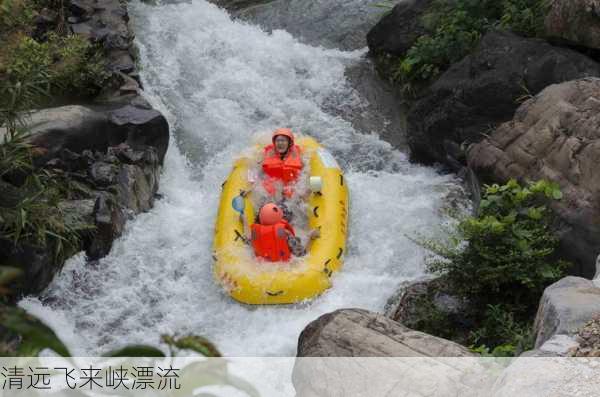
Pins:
x: 238, y: 203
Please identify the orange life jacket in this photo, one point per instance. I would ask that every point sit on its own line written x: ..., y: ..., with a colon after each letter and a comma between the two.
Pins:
x: 284, y: 170
x: 271, y: 242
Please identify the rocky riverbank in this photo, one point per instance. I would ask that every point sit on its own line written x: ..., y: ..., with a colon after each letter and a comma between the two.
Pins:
x: 519, y: 105
x: 104, y: 154
x: 492, y: 91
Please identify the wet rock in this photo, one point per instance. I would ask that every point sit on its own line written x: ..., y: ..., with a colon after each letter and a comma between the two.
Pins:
x: 396, y: 32
x: 121, y: 61
x: 576, y: 22
x: 555, y: 136
x: 135, y: 190
x: 78, y: 128
x: 109, y: 220
x: 142, y: 127
x: 483, y: 90
x: 75, y: 128
x: 360, y: 333
x: 78, y: 214
x: 340, y: 24
x: 126, y: 154
x: 565, y: 307
x: 82, y: 29
x: 104, y: 174
x: 380, y: 113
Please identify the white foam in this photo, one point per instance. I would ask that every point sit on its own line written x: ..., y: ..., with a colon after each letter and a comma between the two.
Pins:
x: 221, y: 83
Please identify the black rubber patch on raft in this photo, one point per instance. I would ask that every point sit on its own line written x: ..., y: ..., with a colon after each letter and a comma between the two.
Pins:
x: 274, y: 293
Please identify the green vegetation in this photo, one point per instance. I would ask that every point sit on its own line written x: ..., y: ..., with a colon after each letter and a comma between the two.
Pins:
x: 32, y: 71
x: 68, y: 65
x: 501, y: 260
x: 455, y: 28
x: 35, y: 337
x: 30, y: 214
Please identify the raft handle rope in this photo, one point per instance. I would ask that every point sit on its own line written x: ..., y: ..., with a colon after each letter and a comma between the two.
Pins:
x: 238, y: 236
x: 274, y: 293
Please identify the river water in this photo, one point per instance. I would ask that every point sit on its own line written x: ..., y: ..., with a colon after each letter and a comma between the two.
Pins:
x: 221, y: 83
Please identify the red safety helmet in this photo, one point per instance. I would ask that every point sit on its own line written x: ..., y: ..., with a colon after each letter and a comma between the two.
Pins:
x: 287, y: 132
x: 270, y: 214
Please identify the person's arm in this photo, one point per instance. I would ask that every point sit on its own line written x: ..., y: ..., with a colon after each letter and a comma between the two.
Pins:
x: 312, y: 236
x: 296, y: 245
x: 245, y: 229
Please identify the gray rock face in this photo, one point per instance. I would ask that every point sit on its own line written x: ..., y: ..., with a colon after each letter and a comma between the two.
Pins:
x: 575, y: 21
x: 555, y: 136
x: 360, y: 333
x: 482, y: 90
x: 396, y: 32
x: 341, y: 24
x: 565, y: 307
x: 353, y: 352
x: 106, y: 22
x: 78, y: 128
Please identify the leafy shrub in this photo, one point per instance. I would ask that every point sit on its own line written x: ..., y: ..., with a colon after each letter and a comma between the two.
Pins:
x: 29, y: 59
x: 455, y: 28
x: 501, y: 260
x: 70, y: 64
x: 508, y: 256
x: 15, y: 15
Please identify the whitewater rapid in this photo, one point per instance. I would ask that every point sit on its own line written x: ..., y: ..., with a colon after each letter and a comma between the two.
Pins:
x: 221, y: 83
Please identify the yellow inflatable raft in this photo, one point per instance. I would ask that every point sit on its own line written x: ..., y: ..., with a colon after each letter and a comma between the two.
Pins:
x: 250, y: 281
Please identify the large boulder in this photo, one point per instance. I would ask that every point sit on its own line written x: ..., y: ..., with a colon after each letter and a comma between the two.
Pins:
x: 397, y: 31
x: 575, y: 22
x: 483, y: 90
x: 340, y: 24
x: 360, y: 333
x: 77, y: 128
x: 565, y: 307
x: 555, y: 136
x: 357, y: 352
